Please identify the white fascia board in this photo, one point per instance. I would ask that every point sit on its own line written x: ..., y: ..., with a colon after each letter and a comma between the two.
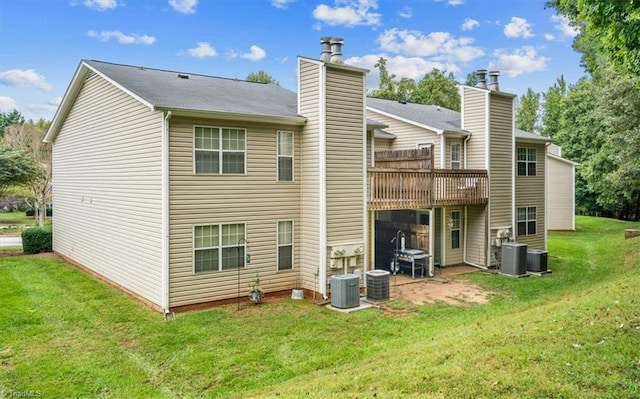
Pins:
x: 564, y: 160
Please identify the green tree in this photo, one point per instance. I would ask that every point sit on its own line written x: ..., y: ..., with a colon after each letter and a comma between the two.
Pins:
x: 527, y: 111
x: 27, y: 139
x: 437, y: 88
x: 16, y: 168
x: 388, y: 87
x: 261, y: 77
x: 580, y: 141
x: 609, y: 32
x: 472, y: 79
x: 10, y: 118
x: 552, y: 107
x: 619, y: 110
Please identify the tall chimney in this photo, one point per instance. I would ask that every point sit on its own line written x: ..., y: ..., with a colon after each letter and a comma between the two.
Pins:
x: 493, y: 80
x: 481, y: 74
x: 325, y: 55
x: 336, y: 50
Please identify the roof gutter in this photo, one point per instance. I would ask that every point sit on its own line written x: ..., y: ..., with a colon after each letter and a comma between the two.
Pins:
x: 278, y: 119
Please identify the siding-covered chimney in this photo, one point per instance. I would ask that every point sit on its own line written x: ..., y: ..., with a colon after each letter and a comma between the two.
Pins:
x: 493, y: 80
x: 481, y: 74
x: 336, y: 50
x: 325, y: 55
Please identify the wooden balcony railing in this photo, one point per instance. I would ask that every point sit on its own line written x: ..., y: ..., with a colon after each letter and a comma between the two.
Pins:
x: 391, y: 188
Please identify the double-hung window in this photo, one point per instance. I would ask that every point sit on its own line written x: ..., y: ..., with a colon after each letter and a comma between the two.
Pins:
x: 455, y: 156
x: 218, y: 247
x: 285, y: 156
x: 526, y: 161
x: 455, y: 229
x: 219, y: 150
x: 526, y: 219
x: 285, y: 245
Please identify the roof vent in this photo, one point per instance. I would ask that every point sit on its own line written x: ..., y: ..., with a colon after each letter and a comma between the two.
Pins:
x: 481, y: 74
x: 325, y: 55
x: 183, y: 76
x: 336, y: 50
x: 493, y: 80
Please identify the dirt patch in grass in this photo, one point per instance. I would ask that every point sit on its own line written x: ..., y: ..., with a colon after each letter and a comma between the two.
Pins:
x: 449, y: 291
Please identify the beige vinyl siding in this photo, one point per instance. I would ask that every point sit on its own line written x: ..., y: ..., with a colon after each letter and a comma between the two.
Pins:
x: 345, y: 134
x: 453, y: 256
x: 309, y: 227
x: 530, y: 192
x: 476, y: 235
x: 407, y: 135
x: 383, y: 144
x: 560, y: 195
x: 501, y: 160
x: 474, y: 120
x: 107, y: 188
x: 256, y: 199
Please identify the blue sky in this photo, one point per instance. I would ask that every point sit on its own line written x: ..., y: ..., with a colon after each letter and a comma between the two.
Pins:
x: 42, y: 41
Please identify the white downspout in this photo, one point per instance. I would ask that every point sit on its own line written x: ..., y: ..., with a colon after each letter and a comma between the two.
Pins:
x: 165, y: 214
x: 322, y: 189
x: 365, y: 208
x: 432, y: 223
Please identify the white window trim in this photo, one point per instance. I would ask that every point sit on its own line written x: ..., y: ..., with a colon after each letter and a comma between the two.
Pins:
x: 220, y: 151
x: 527, y: 220
x: 219, y: 247
x: 459, y: 161
x: 292, y: 156
x: 527, y: 161
x: 456, y: 228
x: 278, y: 245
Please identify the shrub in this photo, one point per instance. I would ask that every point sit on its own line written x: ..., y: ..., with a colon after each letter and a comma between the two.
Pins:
x: 30, y: 212
x: 36, y: 240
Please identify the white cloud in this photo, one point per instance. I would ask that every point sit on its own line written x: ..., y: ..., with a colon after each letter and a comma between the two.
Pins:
x: 440, y: 45
x: 101, y: 5
x: 184, y: 6
x: 255, y: 54
x: 55, y: 101
x: 469, y: 24
x: 522, y: 60
x: 25, y: 78
x: 561, y: 23
x: 202, y: 50
x: 7, y: 104
x: 405, y: 12
x: 351, y: 13
x: 455, y: 2
x: 121, y: 37
x: 549, y: 37
x: 282, y: 4
x: 518, y: 27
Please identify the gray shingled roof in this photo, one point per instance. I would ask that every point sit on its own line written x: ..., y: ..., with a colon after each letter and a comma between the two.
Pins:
x: 432, y: 115
x: 165, y: 89
x: 521, y: 134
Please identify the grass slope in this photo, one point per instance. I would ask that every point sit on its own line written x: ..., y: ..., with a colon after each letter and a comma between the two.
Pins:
x: 573, y: 334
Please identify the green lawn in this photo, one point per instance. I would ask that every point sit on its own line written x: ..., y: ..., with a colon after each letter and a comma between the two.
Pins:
x: 15, y: 220
x: 572, y: 334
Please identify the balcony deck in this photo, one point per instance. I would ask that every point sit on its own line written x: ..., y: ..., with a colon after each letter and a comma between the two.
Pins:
x: 404, y: 188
